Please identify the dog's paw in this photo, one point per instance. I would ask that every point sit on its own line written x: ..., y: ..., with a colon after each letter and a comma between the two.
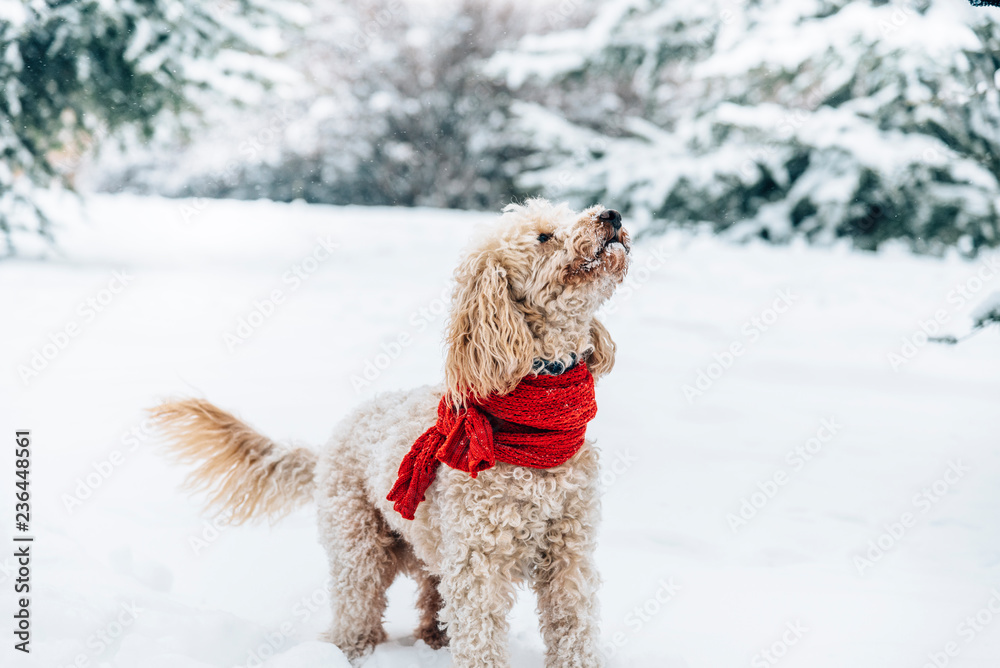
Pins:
x: 433, y: 635
x: 356, y: 646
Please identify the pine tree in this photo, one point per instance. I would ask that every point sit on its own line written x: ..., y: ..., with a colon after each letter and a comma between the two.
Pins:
x: 775, y: 118
x: 395, y: 111
x: 432, y: 125
x: 76, y: 71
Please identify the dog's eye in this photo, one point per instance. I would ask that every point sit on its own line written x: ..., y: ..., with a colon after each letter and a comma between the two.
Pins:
x: 544, y: 237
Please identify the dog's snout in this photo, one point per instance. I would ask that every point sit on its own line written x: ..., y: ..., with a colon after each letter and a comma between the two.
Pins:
x: 611, y: 216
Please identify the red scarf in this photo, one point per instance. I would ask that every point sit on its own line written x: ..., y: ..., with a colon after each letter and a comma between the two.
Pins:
x: 540, y: 424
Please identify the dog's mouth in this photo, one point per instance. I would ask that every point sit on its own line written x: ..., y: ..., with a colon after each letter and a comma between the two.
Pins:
x: 614, y: 242
x: 609, y: 256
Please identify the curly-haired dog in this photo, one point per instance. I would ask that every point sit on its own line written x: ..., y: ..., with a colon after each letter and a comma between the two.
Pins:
x: 524, y: 305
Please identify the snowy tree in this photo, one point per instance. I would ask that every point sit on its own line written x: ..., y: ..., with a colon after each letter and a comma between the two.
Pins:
x: 75, y: 72
x: 391, y: 107
x: 774, y: 118
x: 987, y: 312
x: 983, y: 315
x: 400, y: 113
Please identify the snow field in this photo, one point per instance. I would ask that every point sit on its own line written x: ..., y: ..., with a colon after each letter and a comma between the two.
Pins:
x: 813, y: 506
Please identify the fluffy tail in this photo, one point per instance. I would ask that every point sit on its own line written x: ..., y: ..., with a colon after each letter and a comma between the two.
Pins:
x: 243, y: 472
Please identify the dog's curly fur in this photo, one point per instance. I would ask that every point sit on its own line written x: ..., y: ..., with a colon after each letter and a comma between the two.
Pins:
x: 528, y: 289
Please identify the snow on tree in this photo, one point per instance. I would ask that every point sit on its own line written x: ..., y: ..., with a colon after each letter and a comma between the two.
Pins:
x: 75, y: 72
x: 392, y: 109
x: 984, y: 314
x: 432, y: 127
x: 987, y: 312
x: 395, y: 110
x: 774, y: 118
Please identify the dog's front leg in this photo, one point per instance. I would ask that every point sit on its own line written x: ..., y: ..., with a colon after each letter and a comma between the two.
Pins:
x: 567, y: 589
x: 478, y: 594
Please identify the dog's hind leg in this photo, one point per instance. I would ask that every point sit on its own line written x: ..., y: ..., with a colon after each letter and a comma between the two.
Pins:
x: 364, y: 557
x: 429, y: 602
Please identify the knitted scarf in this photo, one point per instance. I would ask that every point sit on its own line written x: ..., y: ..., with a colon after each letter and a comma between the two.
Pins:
x: 540, y: 424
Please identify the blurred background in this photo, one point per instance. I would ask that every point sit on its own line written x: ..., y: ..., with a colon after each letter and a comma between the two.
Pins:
x: 823, y: 119
x: 261, y: 202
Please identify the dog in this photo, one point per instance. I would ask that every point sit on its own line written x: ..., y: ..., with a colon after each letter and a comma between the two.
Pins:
x: 524, y: 307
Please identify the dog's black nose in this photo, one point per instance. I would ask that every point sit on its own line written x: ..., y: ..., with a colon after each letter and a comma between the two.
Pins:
x: 611, y: 216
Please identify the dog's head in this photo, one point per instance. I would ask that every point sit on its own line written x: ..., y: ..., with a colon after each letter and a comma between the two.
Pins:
x: 529, y: 289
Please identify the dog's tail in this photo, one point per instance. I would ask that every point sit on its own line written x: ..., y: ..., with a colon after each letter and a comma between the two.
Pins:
x: 244, y: 473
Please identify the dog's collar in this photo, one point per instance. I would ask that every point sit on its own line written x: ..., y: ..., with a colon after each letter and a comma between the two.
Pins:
x: 555, y: 367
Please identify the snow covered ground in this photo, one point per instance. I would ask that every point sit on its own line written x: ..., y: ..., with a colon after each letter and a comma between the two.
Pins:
x: 793, y: 476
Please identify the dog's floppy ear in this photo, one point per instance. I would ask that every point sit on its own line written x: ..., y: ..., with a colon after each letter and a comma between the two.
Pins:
x: 490, y: 347
x: 602, y: 359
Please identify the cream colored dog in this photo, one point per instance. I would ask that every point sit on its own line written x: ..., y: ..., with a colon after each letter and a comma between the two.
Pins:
x: 526, y: 291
